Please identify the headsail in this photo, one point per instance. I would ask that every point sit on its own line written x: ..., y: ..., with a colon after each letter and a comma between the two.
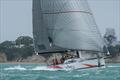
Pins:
x: 66, y: 25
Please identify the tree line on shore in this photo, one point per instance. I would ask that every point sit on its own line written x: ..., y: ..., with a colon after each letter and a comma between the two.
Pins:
x: 21, y: 48
x: 112, y: 44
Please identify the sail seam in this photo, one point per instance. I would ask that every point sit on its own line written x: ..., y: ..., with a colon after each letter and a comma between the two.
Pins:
x: 67, y: 12
x: 65, y: 29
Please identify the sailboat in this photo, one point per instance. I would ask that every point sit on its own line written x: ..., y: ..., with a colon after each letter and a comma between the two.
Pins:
x: 65, y: 26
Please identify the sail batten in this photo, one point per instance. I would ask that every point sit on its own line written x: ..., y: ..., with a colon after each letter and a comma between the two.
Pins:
x: 64, y: 25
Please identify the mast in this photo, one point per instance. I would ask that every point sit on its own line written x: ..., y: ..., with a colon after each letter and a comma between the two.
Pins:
x: 77, y: 52
x: 99, y: 63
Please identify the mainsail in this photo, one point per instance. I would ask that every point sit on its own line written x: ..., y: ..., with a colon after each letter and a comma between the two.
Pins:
x: 60, y: 25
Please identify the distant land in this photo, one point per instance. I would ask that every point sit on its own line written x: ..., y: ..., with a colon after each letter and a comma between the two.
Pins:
x: 22, y: 51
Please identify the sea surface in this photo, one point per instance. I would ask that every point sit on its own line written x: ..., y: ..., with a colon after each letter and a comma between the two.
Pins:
x: 41, y: 72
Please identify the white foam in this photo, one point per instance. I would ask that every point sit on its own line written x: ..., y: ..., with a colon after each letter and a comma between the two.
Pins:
x: 53, y: 77
x: 76, y: 75
x: 113, y: 66
x: 18, y: 67
x: 44, y: 68
x: 86, y: 74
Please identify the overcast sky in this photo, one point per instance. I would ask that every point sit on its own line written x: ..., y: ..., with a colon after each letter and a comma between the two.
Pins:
x: 16, y: 17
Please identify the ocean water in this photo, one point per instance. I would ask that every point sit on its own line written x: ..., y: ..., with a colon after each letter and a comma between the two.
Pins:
x: 41, y: 72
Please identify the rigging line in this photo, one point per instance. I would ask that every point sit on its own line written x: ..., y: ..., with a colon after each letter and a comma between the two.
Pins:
x: 96, y: 24
x: 87, y: 20
x: 95, y: 27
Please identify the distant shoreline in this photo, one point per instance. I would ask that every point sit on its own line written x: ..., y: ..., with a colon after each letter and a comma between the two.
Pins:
x: 42, y: 61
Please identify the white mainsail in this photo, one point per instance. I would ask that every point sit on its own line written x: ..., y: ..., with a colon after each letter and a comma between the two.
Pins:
x: 66, y: 24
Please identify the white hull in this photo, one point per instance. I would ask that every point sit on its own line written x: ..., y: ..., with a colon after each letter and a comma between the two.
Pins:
x: 78, y: 63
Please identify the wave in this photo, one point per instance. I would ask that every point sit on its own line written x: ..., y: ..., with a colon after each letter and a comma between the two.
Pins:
x: 18, y: 67
x: 53, y: 77
x: 82, y: 75
x: 44, y: 68
x: 41, y: 68
x: 113, y: 66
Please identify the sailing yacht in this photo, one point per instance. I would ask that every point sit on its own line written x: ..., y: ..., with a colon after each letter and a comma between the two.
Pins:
x: 63, y: 26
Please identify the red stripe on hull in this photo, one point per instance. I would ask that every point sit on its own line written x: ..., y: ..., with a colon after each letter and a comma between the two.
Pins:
x: 55, y: 67
x: 90, y: 65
